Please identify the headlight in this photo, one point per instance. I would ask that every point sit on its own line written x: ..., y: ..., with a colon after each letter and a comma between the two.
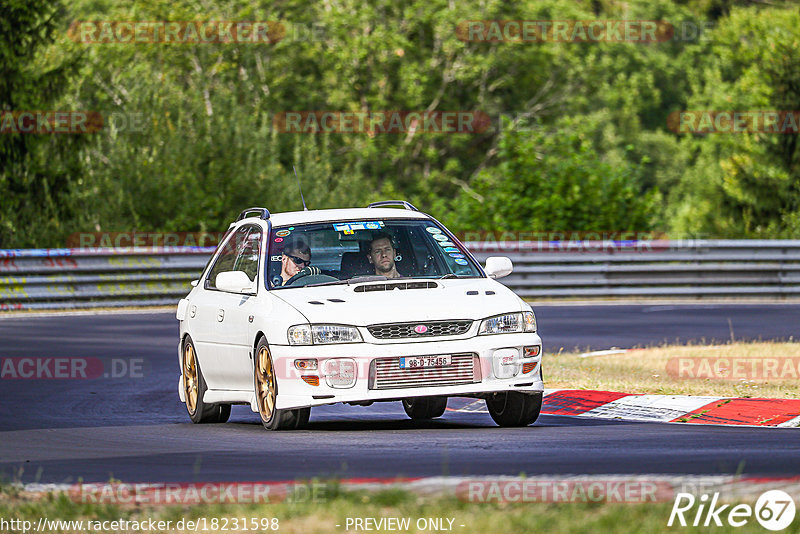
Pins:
x: 300, y: 334
x: 508, y: 324
x: 529, y: 320
x: 333, y: 333
x: 322, y: 334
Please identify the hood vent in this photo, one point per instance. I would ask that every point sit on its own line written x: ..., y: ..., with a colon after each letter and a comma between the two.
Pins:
x: 395, y: 285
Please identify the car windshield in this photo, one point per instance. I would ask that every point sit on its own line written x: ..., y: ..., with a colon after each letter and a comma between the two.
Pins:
x: 341, y: 251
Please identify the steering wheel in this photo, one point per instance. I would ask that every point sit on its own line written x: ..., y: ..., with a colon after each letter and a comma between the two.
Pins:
x: 302, y: 273
x: 309, y: 275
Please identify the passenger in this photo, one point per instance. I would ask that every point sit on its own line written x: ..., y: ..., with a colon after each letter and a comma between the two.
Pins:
x: 296, y: 257
x: 381, y: 255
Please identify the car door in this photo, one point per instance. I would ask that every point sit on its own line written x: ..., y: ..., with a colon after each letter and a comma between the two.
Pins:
x: 224, y: 347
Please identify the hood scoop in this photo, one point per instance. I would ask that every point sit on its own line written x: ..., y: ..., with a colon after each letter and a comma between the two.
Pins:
x: 395, y: 285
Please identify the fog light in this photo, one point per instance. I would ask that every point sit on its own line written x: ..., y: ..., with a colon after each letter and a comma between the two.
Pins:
x: 306, y: 365
x: 340, y: 373
x: 530, y: 352
x: 311, y: 380
x: 506, y: 363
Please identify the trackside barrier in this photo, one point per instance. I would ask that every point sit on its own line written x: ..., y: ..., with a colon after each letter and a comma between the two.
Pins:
x: 105, y: 277
x: 663, y: 269
x: 86, y: 278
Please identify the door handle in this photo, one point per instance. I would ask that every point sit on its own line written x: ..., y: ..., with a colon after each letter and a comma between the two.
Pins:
x: 220, y: 315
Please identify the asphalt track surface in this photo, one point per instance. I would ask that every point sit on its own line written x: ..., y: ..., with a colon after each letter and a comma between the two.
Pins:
x: 135, y: 429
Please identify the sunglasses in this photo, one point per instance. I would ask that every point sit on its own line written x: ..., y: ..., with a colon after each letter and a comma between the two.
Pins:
x: 298, y: 261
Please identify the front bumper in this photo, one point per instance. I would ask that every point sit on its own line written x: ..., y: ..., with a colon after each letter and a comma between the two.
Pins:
x: 497, y: 359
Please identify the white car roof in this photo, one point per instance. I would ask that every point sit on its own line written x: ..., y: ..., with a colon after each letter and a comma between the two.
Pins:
x: 346, y: 214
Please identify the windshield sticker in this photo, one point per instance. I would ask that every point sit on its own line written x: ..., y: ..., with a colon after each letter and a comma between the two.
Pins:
x: 433, y: 230
x: 446, y: 244
x: 343, y: 227
x: 462, y: 262
x: 451, y: 249
x: 279, y: 240
x: 439, y: 237
x: 350, y: 227
x: 455, y: 255
x: 282, y: 233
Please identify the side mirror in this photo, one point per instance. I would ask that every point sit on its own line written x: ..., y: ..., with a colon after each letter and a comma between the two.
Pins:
x: 498, y: 266
x: 235, y: 282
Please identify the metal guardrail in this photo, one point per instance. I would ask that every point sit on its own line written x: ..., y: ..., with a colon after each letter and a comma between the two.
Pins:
x: 688, y: 269
x: 90, y: 278
x: 87, y: 278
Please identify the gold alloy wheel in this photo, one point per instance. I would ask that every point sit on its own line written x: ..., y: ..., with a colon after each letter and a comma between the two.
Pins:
x: 265, y: 384
x: 190, y: 378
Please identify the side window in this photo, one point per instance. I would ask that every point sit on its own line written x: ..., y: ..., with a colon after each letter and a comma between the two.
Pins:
x: 239, y: 253
x: 247, y: 260
x: 221, y: 244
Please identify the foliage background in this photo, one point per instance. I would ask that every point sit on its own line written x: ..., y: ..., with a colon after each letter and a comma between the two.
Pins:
x: 579, y: 138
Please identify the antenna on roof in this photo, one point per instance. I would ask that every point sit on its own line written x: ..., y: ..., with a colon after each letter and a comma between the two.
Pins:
x: 300, y: 188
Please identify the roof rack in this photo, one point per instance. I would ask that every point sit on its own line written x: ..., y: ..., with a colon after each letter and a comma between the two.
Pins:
x: 263, y: 213
x: 382, y: 203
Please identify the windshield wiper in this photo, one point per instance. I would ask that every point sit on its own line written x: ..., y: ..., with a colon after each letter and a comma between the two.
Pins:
x: 449, y: 275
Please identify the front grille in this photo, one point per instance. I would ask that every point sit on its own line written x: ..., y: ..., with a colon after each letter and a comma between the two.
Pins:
x: 385, y: 373
x: 431, y: 329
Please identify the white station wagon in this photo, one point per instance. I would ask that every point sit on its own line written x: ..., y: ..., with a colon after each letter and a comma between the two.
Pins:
x: 357, y: 306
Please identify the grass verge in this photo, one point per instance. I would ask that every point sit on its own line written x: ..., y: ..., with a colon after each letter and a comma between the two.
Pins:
x: 335, y: 509
x: 766, y: 370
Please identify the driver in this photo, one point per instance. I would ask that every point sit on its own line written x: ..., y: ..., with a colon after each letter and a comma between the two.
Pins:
x: 381, y: 255
x: 296, y: 258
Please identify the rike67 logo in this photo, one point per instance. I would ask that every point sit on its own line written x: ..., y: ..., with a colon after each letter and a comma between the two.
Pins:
x: 774, y: 510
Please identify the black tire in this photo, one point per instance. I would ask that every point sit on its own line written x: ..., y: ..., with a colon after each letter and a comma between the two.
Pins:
x: 513, y: 408
x: 266, y: 391
x: 224, y: 413
x: 425, y: 407
x: 194, y: 389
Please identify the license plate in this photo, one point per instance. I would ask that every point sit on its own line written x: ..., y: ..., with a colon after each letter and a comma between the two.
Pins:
x: 415, y: 362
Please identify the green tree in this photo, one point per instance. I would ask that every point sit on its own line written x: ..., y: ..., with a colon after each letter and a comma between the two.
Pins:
x: 744, y: 184
x: 555, y: 181
x: 36, y: 171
